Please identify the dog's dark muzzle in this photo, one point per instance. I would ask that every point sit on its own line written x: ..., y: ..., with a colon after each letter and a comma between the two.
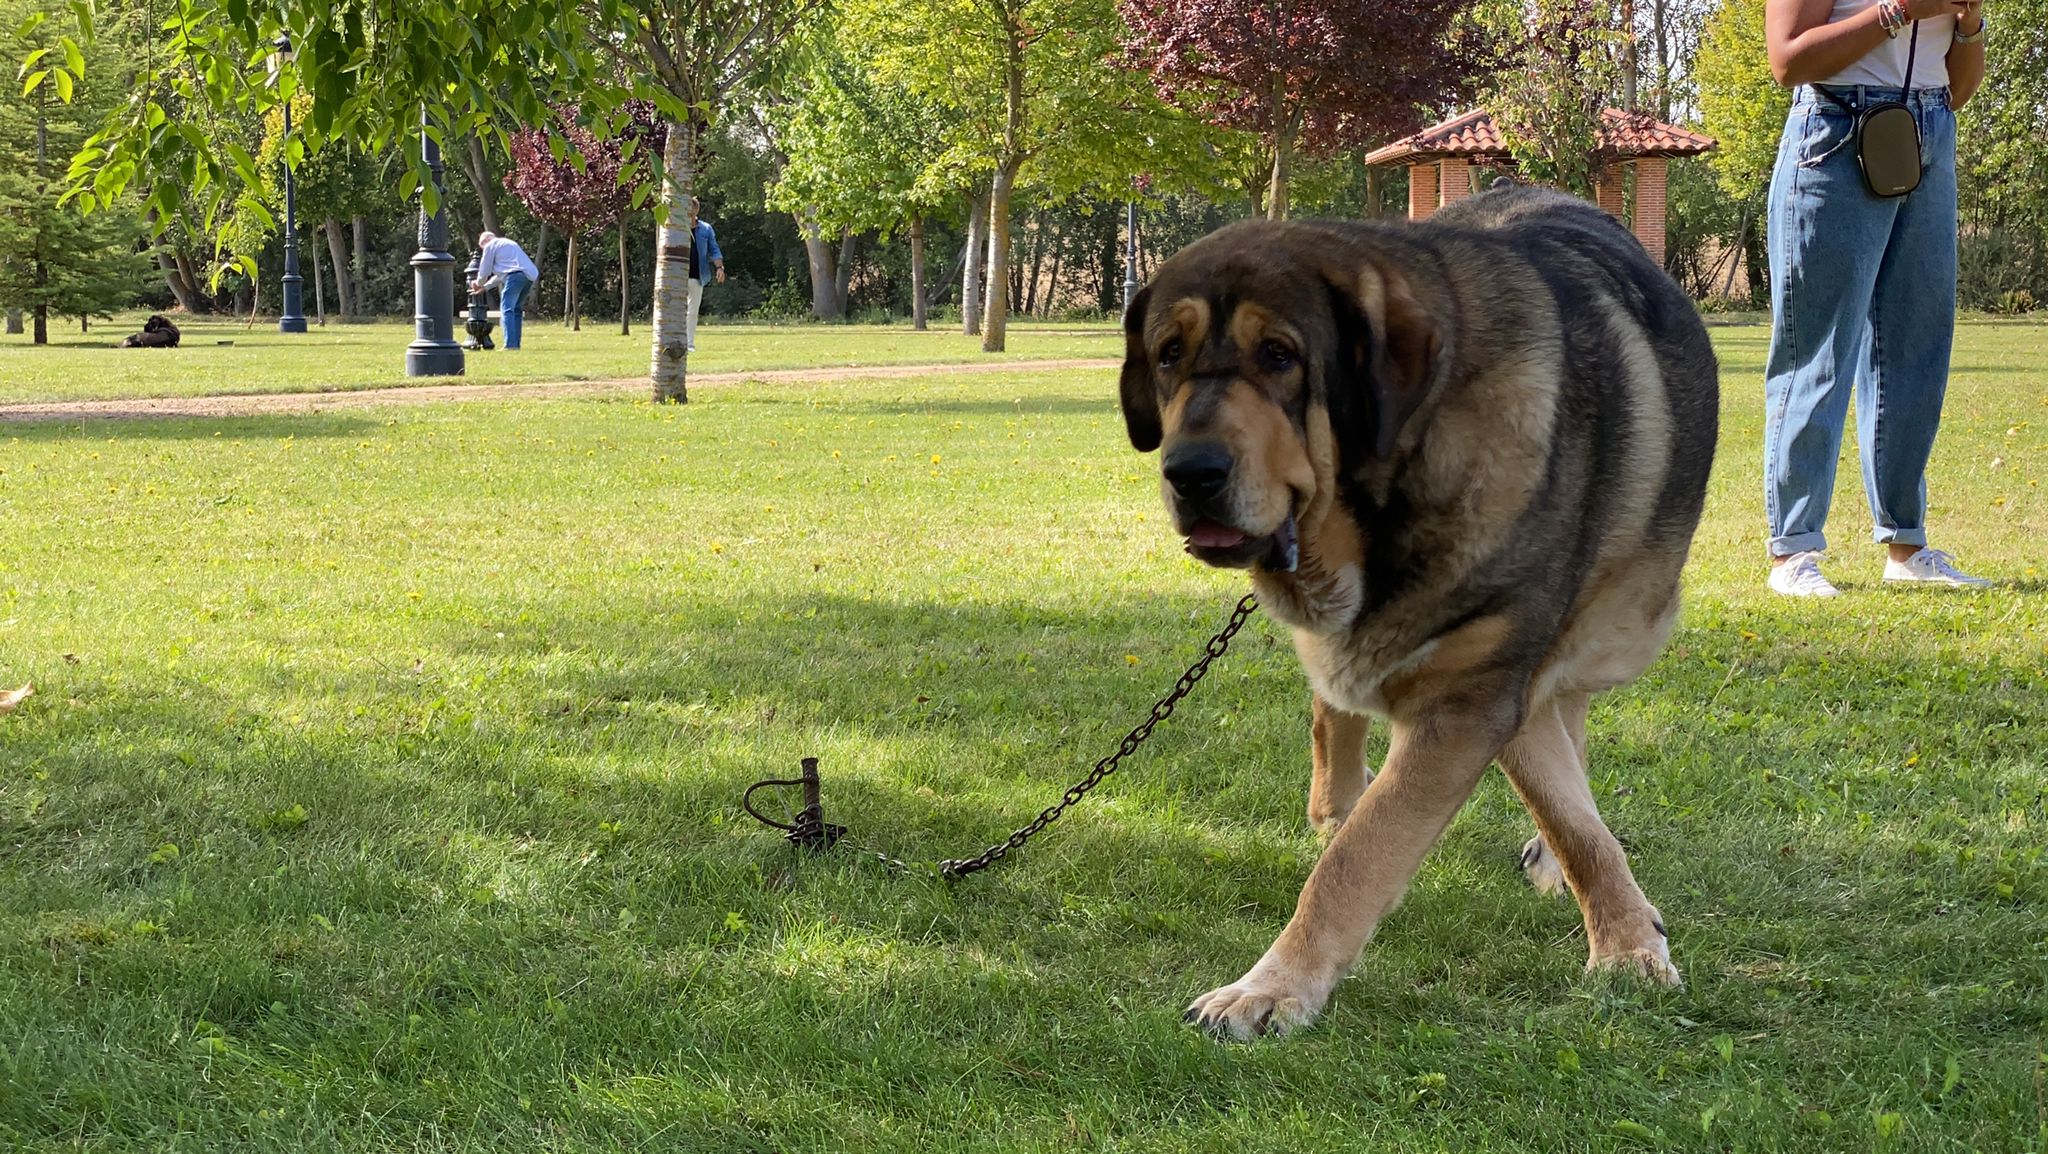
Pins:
x: 1199, y: 475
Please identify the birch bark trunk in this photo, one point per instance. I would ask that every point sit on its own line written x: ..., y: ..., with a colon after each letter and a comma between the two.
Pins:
x: 971, y: 272
x: 670, y: 370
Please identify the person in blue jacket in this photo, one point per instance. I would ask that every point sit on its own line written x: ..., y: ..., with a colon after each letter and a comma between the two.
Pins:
x: 704, y: 255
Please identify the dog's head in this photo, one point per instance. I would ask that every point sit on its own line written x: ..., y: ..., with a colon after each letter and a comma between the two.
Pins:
x: 1268, y: 362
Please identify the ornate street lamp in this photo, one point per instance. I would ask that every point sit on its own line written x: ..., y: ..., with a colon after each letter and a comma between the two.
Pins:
x: 433, y: 351
x: 293, y: 317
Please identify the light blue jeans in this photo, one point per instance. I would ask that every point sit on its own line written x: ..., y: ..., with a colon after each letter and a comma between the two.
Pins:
x: 1863, y: 293
x: 512, y: 306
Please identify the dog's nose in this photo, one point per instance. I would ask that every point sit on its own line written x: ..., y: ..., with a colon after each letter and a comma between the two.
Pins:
x: 1198, y: 472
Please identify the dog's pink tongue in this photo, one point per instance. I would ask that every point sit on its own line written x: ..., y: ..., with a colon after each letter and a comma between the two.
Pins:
x: 1210, y: 535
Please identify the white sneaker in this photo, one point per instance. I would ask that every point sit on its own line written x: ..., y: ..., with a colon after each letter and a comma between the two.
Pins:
x: 1800, y: 576
x: 1931, y: 567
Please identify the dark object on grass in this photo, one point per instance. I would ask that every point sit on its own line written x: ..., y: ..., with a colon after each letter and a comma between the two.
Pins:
x: 157, y: 333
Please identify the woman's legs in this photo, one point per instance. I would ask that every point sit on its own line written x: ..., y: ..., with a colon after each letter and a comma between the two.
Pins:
x: 1826, y: 240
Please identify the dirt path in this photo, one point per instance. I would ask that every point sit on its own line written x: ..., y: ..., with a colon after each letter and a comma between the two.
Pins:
x: 259, y: 404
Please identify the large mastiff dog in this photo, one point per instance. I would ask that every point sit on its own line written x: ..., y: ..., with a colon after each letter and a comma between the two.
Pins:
x: 1463, y: 460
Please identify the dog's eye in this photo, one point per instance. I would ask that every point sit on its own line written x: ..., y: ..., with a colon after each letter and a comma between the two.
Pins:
x: 1275, y: 356
x: 1169, y: 353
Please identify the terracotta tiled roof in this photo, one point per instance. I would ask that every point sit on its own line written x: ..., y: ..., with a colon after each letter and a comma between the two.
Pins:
x: 1622, y: 134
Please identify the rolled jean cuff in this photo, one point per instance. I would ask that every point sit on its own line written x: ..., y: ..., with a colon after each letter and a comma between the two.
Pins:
x: 1884, y: 536
x: 1798, y: 543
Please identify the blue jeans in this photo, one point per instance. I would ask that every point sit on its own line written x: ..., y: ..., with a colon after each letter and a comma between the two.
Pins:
x: 1863, y: 293
x: 512, y: 306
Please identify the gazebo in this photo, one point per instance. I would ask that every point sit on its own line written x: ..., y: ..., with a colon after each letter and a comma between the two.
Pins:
x: 1441, y: 161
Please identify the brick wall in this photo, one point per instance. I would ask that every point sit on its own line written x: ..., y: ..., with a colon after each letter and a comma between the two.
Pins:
x: 1651, y: 197
x: 1422, y: 191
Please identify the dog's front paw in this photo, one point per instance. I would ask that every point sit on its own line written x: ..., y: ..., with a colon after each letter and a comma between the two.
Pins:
x: 1649, y: 962
x: 1256, y: 1005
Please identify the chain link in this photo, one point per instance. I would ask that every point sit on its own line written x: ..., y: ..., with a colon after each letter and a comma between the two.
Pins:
x: 811, y: 831
x: 957, y: 868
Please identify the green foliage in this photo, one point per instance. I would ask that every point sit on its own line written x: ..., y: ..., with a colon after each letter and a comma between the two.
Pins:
x: 1556, y: 66
x: 1741, y: 106
x: 2002, y: 161
x: 53, y: 259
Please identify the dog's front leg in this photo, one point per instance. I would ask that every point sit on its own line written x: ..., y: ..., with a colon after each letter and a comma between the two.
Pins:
x: 1432, y: 765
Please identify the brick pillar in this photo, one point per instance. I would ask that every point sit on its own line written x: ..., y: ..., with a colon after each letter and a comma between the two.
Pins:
x: 1608, y: 191
x: 1456, y: 179
x: 1650, y: 199
x: 1422, y: 191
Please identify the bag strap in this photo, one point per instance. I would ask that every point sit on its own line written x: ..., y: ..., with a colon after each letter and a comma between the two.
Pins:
x: 1912, y: 47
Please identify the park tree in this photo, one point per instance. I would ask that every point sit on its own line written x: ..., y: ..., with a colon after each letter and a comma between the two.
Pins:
x: 377, y: 68
x: 1310, y: 76
x: 1031, y: 94
x: 860, y: 155
x: 2002, y: 166
x: 577, y: 183
x: 1743, y: 109
x: 1553, y: 66
x: 54, y: 260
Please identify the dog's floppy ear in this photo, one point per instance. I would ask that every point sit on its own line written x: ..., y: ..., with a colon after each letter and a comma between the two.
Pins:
x: 1140, y: 400
x: 1393, y: 348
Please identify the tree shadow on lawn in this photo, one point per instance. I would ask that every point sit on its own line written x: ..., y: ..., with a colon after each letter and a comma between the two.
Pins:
x: 142, y: 425
x: 540, y: 859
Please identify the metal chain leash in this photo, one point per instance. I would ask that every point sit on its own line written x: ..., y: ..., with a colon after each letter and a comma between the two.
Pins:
x: 813, y: 832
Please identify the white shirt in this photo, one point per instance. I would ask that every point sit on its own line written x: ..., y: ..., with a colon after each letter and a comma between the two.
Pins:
x: 503, y: 255
x: 1885, y: 66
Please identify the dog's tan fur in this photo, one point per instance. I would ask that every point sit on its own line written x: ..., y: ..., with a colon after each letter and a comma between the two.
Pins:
x: 1417, y: 402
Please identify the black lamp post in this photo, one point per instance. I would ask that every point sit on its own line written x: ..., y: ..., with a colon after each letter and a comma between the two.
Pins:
x: 1130, y: 251
x: 292, y: 319
x: 433, y: 351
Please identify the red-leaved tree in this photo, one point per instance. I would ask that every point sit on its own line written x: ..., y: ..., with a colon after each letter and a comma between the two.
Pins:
x: 1315, y: 76
x: 575, y: 200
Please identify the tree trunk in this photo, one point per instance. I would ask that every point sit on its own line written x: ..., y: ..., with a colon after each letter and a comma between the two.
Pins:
x: 344, y: 285
x: 995, y: 326
x: 190, y: 278
x: 1038, y: 230
x: 824, y: 269
x: 1052, y: 283
x: 1628, y: 55
x: 480, y: 177
x: 572, y: 308
x: 917, y: 306
x: 540, y: 258
x: 1283, y: 160
x: 625, y: 284
x: 360, y: 275
x: 1375, y: 187
x: 319, y: 286
x: 165, y: 263
x: 14, y: 321
x: 670, y: 373
x: 971, y: 273
x: 842, y: 280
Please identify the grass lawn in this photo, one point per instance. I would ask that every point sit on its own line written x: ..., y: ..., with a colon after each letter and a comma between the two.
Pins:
x: 225, y: 356
x: 380, y: 793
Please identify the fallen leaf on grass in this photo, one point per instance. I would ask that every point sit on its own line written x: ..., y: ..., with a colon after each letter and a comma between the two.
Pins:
x: 14, y: 697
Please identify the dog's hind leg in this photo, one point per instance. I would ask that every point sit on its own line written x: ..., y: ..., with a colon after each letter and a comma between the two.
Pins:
x: 1546, y: 763
x: 1340, y: 775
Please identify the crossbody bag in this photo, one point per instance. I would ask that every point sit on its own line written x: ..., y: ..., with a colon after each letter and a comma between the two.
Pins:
x: 1887, y: 136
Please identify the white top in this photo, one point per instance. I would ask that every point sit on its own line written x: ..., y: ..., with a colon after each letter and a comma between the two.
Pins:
x: 1885, y: 66
x: 503, y: 255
